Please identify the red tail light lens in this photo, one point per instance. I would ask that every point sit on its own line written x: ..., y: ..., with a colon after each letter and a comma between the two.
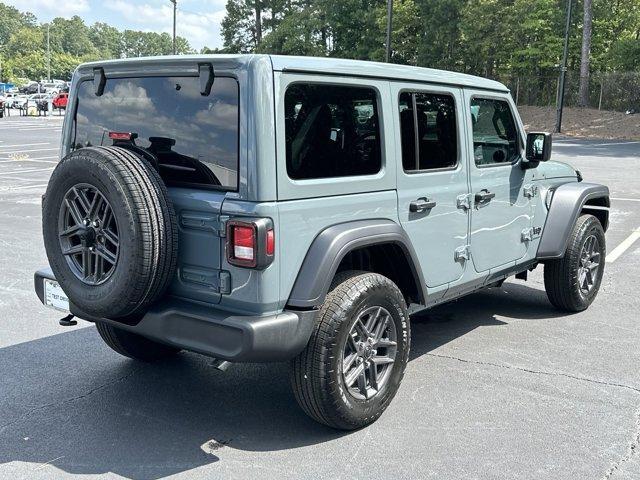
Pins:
x: 120, y: 135
x: 244, y: 243
x: 271, y: 242
x: 251, y: 243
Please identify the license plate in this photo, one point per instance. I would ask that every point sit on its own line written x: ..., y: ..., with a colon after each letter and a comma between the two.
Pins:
x: 54, y: 296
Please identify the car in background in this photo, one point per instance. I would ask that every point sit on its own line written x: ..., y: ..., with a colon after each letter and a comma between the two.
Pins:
x: 37, y: 99
x: 30, y: 88
x: 16, y: 101
x: 41, y: 101
x: 51, y: 87
x: 60, y: 100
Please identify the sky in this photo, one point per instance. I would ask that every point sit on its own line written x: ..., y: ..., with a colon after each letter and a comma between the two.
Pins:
x: 198, y: 20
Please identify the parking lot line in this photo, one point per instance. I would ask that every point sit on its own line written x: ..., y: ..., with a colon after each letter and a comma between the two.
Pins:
x: 625, y: 199
x: 27, y: 171
x: 22, y: 187
x: 612, y: 143
x: 36, y: 160
x: 26, y: 145
x: 41, y: 128
x: 624, y: 246
x: 32, y: 150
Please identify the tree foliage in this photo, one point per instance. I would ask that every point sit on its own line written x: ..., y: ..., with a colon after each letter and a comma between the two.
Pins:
x: 494, y: 38
x: 23, y: 44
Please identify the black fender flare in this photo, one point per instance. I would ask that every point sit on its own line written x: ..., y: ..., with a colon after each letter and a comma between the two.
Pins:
x: 332, y: 244
x: 566, y: 204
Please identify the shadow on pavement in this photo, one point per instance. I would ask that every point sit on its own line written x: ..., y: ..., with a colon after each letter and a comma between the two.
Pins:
x: 68, y: 400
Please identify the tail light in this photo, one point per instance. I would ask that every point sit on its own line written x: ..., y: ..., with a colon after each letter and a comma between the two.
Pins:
x: 120, y: 135
x: 250, y: 242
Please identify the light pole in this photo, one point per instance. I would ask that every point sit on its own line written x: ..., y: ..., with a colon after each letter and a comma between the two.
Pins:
x: 563, y: 69
x: 389, y: 22
x: 175, y: 5
x: 48, y: 56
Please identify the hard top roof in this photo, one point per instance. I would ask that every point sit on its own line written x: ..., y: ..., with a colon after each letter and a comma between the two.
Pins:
x: 319, y: 65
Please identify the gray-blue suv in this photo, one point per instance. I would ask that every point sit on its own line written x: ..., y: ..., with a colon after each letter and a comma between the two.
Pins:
x: 262, y: 208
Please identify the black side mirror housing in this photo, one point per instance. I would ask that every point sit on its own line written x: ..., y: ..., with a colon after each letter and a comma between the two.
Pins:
x: 538, y: 147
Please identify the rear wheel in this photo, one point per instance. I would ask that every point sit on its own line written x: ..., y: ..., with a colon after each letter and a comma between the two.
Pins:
x: 357, y: 354
x: 572, y: 282
x: 132, y: 345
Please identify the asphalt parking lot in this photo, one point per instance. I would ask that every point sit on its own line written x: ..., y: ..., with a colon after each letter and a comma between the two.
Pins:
x: 499, y: 386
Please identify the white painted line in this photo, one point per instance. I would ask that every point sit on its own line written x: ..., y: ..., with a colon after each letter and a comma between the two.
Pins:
x: 612, y: 143
x: 26, y: 145
x: 40, y: 128
x: 32, y: 150
x: 624, y: 246
x: 22, y: 187
x: 26, y: 159
x: 27, y: 171
x: 625, y: 199
x: 36, y: 160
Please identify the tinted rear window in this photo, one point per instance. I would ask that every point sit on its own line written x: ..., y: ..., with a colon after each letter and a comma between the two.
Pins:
x: 193, y: 139
x: 331, y: 131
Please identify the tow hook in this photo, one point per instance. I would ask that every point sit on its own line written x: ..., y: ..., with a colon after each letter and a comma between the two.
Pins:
x: 221, y: 365
x: 68, y: 321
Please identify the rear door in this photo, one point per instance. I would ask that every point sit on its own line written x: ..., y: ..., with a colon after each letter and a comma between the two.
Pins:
x: 501, y: 212
x: 432, y: 177
x: 192, y: 140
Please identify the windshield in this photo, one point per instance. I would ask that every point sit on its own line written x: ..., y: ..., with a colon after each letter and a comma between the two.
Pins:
x: 190, y: 138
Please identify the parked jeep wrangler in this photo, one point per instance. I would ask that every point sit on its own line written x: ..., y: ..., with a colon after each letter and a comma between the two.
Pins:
x: 264, y: 208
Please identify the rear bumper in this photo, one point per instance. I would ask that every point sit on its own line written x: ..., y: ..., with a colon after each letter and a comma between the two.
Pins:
x: 214, y: 332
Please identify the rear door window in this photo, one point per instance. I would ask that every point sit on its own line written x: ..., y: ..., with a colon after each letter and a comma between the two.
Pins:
x: 191, y: 138
x: 428, y: 131
x: 331, y: 131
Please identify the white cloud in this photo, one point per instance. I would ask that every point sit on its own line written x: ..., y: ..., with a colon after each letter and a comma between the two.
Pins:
x: 199, y: 29
x: 198, y: 20
x: 50, y: 8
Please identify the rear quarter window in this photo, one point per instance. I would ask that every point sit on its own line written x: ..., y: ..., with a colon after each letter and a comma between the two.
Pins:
x: 331, y: 131
x: 193, y: 138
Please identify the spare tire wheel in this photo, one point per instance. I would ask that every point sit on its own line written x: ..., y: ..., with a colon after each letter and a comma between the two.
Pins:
x: 110, y: 231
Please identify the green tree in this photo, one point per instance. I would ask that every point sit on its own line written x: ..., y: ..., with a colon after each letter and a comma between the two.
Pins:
x: 11, y: 20
x: 107, y: 40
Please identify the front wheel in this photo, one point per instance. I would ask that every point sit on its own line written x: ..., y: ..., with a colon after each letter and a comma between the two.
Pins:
x: 572, y: 282
x: 355, y: 360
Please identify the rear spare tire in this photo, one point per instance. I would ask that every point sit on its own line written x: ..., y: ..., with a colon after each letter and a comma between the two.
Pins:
x: 110, y: 231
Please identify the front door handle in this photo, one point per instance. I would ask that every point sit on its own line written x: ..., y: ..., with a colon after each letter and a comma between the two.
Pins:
x: 421, y: 205
x: 483, y: 197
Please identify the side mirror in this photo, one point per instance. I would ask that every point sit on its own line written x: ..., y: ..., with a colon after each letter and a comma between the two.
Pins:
x: 538, y: 147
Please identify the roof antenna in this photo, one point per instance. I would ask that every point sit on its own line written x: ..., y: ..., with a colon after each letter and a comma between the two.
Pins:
x: 205, y: 72
x: 99, y: 81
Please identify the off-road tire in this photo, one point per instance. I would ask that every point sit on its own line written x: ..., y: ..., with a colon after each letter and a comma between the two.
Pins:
x: 561, y: 275
x: 146, y: 220
x: 132, y: 345
x: 316, y: 373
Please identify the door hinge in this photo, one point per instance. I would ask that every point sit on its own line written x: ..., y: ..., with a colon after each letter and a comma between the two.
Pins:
x: 462, y: 253
x: 222, y: 222
x: 529, y: 234
x: 530, y: 191
x: 204, y: 221
x: 224, y: 284
x: 463, y: 201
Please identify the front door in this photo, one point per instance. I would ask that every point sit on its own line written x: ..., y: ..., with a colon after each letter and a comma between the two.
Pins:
x: 432, y: 177
x: 501, y: 212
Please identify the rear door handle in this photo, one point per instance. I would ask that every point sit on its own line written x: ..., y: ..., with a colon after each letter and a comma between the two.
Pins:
x: 483, y: 197
x: 421, y: 205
